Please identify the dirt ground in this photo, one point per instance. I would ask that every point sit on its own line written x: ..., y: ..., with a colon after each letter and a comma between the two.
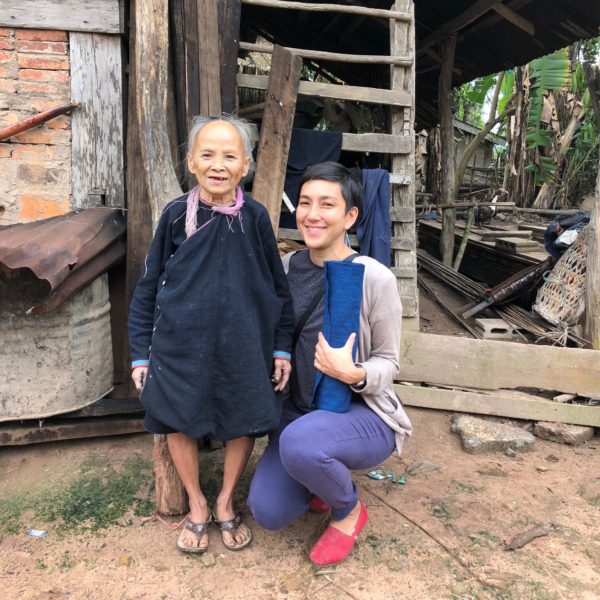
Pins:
x: 440, y: 535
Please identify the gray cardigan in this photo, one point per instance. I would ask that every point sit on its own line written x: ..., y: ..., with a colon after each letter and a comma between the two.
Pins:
x: 379, y: 344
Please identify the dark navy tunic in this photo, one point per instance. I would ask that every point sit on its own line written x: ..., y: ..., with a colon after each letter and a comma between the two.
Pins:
x: 208, y: 312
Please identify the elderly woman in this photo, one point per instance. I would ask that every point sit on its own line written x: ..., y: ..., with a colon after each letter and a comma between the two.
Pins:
x: 210, y: 325
x: 309, y: 457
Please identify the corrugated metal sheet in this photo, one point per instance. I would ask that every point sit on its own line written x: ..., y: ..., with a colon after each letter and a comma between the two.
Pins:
x: 66, y: 252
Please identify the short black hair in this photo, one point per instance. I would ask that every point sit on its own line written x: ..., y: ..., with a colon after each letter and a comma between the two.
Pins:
x: 350, y: 186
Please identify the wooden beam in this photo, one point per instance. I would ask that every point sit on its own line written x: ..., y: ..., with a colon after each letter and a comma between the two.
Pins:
x: 230, y: 12
x: 448, y: 360
x: 515, y: 18
x: 592, y: 284
x: 331, y: 90
x: 151, y: 64
x: 377, y: 142
x: 459, y: 22
x: 98, y: 16
x: 446, y: 120
x: 56, y: 431
x: 340, y: 8
x: 276, y: 131
x: 402, y: 61
x: 498, y: 405
x: 209, y: 58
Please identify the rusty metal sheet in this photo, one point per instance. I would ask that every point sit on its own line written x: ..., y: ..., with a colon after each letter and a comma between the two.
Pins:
x: 65, y: 252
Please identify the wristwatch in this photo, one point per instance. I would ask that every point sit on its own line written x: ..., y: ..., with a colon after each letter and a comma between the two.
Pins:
x: 359, y: 385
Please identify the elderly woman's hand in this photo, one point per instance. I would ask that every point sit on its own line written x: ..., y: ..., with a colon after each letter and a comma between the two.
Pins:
x: 139, y: 375
x: 338, y: 362
x: 281, y: 373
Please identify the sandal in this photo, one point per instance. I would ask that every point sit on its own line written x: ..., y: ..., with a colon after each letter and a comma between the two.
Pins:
x: 231, y: 526
x: 198, y: 529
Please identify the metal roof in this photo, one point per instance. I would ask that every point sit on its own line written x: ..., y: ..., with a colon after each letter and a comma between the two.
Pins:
x: 65, y: 252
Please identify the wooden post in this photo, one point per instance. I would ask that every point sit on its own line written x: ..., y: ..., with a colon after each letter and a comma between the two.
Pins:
x: 402, y: 81
x: 150, y: 94
x: 142, y: 212
x: 592, y: 286
x: 230, y: 12
x: 208, y: 58
x: 171, y: 497
x: 446, y: 195
x: 276, y: 131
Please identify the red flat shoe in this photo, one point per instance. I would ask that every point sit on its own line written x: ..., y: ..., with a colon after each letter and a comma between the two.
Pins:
x: 334, y: 546
x: 317, y: 505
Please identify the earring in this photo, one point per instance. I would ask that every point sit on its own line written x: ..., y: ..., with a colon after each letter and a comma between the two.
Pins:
x: 347, y: 239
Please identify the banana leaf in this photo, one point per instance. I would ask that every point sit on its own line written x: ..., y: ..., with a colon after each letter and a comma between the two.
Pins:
x: 551, y: 72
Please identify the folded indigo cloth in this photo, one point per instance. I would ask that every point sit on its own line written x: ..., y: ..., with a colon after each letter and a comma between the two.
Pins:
x: 343, y: 295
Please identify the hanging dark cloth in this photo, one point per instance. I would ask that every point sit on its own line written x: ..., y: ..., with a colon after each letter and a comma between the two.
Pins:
x: 307, y: 147
x: 374, y: 230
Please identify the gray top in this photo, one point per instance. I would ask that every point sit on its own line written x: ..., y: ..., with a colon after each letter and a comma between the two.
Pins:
x: 378, y: 344
x: 306, y: 281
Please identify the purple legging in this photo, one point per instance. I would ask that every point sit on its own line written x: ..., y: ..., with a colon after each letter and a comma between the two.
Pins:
x: 313, y: 453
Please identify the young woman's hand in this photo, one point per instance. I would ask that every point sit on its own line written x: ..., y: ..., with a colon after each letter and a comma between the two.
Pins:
x: 338, y: 362
x: 139, y: 375
x: 281, y: 373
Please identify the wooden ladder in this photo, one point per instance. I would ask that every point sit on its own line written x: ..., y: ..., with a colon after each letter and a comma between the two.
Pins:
x: 282, y: 86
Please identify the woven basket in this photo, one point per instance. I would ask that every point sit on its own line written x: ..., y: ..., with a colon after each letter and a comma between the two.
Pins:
x: 561, y: 298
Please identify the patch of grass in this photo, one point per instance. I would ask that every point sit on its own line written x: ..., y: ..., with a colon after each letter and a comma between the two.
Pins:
x: 98, y: 497
x: 467, y: 488
x: 486, y: 539
x: 441, y: 512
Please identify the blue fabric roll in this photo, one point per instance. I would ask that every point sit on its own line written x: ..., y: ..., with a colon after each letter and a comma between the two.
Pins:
x: 343, y: 295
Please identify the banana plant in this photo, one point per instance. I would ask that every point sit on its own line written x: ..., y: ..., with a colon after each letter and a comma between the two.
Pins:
x: 551, y: 72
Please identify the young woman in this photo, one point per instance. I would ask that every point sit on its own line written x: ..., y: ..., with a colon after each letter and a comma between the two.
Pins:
x: 309, y: 458
x: 210, y: 322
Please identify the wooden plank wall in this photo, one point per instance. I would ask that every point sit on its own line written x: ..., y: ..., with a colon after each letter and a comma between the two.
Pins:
x: 101, y: 16
x: 97, y: 127
x: 402, y: 42
x: 486, y: 364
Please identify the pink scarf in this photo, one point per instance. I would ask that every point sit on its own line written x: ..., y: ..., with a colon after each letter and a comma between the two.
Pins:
x: 191, y: 225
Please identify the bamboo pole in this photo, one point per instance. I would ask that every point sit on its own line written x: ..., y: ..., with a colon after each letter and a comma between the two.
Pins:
x: 31, y: 122
x: 340, y: 8
x: 402, y: 61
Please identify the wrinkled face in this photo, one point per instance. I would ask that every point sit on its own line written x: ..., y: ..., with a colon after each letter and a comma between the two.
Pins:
x: 321, y: 215
x: 218, y: 161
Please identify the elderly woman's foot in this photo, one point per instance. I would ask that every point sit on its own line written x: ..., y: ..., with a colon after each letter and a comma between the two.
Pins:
x: 234, y: 531
x: 194, y: 536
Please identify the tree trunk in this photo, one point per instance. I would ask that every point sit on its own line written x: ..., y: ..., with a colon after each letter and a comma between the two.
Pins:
x: 446, y: 196
x: 592, y: 284
x: 476, y: 141
x: 592, y: 78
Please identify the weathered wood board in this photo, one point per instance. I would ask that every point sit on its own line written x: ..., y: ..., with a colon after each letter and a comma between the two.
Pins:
x: 448, y: 360
x: 55, y: 431
x: 276, y: 131
x: 209, y: 69
x: 101, y: 16
x: 330, y: 90
x: 498, y: 405
x: 377, y: 142
x: 97, y: 126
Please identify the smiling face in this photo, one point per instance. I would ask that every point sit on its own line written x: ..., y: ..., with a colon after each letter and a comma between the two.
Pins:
x: 218, y: 162
x: 322, y: 218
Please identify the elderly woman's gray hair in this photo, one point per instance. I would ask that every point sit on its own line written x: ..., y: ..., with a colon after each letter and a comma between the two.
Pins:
x: 241, y: 125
